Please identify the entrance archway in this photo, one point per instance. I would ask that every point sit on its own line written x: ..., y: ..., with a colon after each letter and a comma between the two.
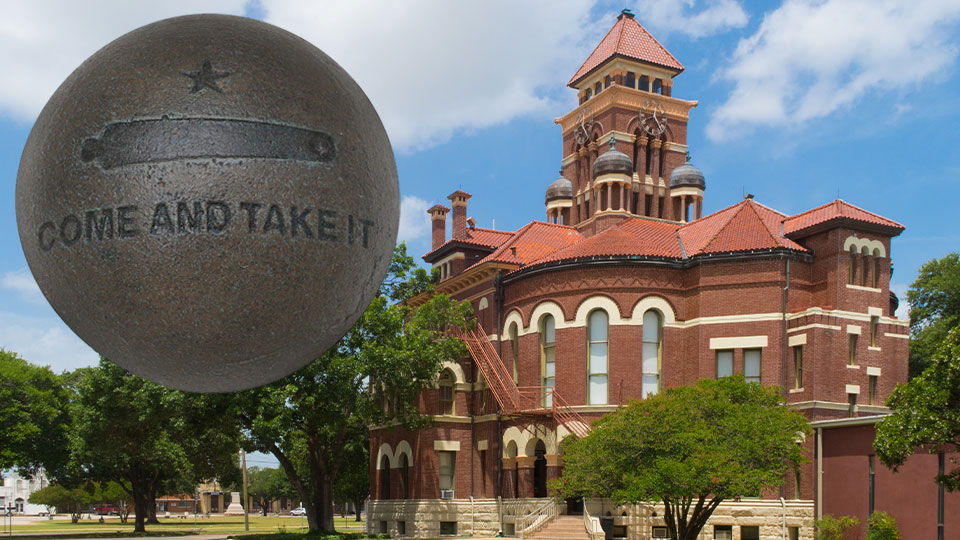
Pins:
x: 540, y: 470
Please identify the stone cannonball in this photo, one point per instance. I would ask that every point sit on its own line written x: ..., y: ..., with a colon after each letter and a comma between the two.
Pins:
x: 208, y: 201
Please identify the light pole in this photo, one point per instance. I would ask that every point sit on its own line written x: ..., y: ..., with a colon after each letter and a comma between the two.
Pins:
x: 246, y: 512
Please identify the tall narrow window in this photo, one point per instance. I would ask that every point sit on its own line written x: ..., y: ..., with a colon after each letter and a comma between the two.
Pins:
x: 798, y: 366
x: 548, y: 341
x: 606, y: 81
x: 404, y: 477
x: 876, y: 269
x: 597, y: 352
x: 448, y: 464
x: 724, y: 363
x: 652, y: 340
x: 853, y: 349
x: 515, y: 349
x: 871, y: 479
x: 631, y: 80
x: 865, y: 270
x: 589, y: 93
x: 597, y: 88
x: 872, y: 390
x: 751, y: 365
x: 447, y: 381
x: 874, y: 330
x: 851, y: 405
x: 853, y: 266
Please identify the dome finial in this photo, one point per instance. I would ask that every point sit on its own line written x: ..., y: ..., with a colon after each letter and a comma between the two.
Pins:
x: 613, y: 143
x: 688, y: 156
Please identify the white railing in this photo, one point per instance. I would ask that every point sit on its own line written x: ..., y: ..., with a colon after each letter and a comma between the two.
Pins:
x: 531, y: 523
x: 592, y: 524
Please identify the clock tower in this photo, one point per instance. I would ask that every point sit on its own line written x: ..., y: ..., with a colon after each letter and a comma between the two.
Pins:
x: 625, y: 144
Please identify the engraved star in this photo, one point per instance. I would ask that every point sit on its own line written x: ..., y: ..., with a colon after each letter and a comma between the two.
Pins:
x: 205, y: 78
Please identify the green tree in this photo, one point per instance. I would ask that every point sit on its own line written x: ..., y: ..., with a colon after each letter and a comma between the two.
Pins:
x: 883, y: 526
x: 934, y: 308
x: 689, y: 447
x: 69, y: 500
x: 149, y: 437
x: 116, y: 494
x: 34, y: 417
x: 833, y: 528
x: 268, y: 485
x: 925, y: 413
x: 353, y: 479
x: 373, y: 375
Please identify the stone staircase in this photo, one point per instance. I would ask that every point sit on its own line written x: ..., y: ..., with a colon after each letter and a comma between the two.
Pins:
x: 564, y: 528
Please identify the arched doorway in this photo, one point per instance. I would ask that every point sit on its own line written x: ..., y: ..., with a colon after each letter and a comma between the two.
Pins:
x: 540, y: 470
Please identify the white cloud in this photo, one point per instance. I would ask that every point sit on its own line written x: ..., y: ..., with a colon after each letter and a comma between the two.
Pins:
x: 44, y: 341
x: 810, y: 58
x: 414, y: 220
x: 434, y: 68
x: 680, y: 16
x: 44, y: 41
x: 21, y: 281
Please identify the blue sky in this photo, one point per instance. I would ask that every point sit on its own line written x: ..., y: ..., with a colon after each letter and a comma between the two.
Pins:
x: 799, y: 103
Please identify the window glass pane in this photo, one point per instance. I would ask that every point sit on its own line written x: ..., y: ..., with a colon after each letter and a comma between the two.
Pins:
x: 650, y: 358
x: 549, y: 381
x: 724, y: 363
x: 650, y: 385
x: 598, y: 326
x: 548, y: 354
x: 598, y: 390
x: 549, y: 369
x: 447, y: 469
x: 598, y: 358
x: 651, y: 326
x: 549, y: 330
x: 751, y: 365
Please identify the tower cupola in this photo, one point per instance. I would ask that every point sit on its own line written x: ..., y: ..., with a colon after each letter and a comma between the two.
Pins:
x: 612, y: 161
x: 686, y: 191
x: 559, y: 200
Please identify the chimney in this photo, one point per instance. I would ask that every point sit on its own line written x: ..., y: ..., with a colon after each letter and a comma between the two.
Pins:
x: 458, y: 200
x: 438, y: 221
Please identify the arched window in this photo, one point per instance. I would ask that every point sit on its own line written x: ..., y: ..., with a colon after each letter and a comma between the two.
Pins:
x: 597, y: 88
x: 876, y: 269
x: 853, y: 266
x: 606, y: 81
x: 404, y: 477
x: 548, y: 340
x: 447, y: 381
x: 589, y: 93
x: 865, y: 270
x: 515, y: 349
x: 597, y: 358
x: 540, y: 470
x: 631, y: 80
x: 384, y: 477
x: 652, y: 338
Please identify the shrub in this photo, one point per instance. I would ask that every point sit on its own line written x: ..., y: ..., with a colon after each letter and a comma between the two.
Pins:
x: 882, y: 526
x: 833, y: 528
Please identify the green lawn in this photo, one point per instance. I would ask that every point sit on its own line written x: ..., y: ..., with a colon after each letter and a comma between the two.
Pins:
x: 215, y: 524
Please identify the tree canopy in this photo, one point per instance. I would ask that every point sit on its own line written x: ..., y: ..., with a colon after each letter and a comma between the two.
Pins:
x: 151, y: 438
x: 34, y: 416
x: 690, y: 448
x: 925, y: 412
x: 373, y: 375
x: 934, y: 308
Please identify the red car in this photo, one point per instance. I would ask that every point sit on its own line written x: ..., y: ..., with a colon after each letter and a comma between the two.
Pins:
x: 105, y: 510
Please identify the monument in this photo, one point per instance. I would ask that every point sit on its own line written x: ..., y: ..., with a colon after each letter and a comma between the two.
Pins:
x: 208, y: 201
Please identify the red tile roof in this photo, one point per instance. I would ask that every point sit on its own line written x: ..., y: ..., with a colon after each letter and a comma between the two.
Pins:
x: 533, y: 241
x: 627, y: 38
x: 478, y: 236
x: 837, y: 209
x: 640, y: 237
x: 437, y: 207
x: 745, y: 226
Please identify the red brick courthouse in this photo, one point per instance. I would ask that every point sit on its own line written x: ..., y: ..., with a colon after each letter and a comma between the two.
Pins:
x: 627, y: 289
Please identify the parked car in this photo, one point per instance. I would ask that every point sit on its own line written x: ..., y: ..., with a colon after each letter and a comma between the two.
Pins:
x: 105, y: 510
x: 301, y: 511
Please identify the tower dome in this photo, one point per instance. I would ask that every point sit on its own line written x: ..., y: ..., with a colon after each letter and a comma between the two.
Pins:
x: 687, y: 175
x: 612, y: 162
x: 561, y: 188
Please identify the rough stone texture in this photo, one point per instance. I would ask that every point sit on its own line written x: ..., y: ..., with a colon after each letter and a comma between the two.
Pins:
x: 481, y: 517
x: 208, y: 201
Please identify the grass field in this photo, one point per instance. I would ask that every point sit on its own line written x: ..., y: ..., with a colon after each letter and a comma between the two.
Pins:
x: 214, y: 524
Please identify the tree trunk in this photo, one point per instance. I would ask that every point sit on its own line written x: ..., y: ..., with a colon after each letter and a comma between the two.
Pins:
x: 356, y: 506
x: 141, y: 502
x: 323, y: 502
x: 152, y: 507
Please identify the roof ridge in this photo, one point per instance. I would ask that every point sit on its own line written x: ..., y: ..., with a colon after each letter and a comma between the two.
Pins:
x: 557, y: 225
x: 775, y: 237
x: 726, y: 222
x: 657, y: 41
